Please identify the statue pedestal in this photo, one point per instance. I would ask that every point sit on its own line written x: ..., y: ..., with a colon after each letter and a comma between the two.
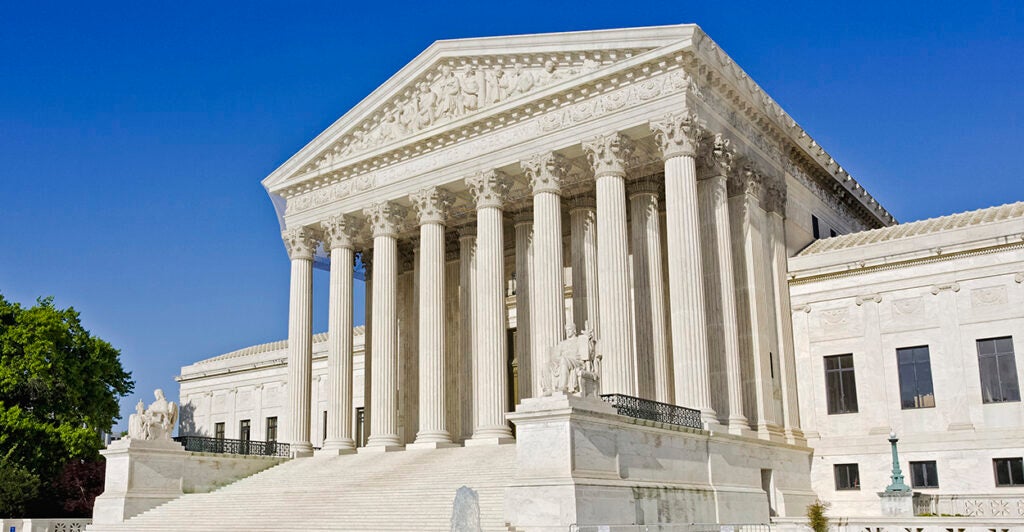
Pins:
x: 897, y: 503
x: 140, y: 475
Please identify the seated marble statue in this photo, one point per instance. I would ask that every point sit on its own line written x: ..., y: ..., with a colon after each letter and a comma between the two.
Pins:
x: 154, y: 423
x: 575, y: 363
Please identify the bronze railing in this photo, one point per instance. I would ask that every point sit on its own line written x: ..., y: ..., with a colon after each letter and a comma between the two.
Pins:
x: 627, y: 405
x: 202, y: 444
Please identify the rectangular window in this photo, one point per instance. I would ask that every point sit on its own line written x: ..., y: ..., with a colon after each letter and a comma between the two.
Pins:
x: 924, y: 474
x: 915, y: 371
x: 272, y: 428
x: 840, y: 384
x: 218, y: 431
x: 815, y: 228
x: 325, y: 426
x: 244, y: 429
x: 1009, y: 471
x: 998, y: 370
x: 847, y: 476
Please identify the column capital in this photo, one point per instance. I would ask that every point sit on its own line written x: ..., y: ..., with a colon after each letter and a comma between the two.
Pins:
x: 678, y: 133
x: 775, y: 196
x: 546, y: 171
x: 489, y: 188
x: 522, y: 217
x: 385, y: 218
x: 467, y: 231
x: 340, y: 231
x: 432, y: 204
x: 745, y: 178
x: 300, y: 242
x: 717, y: 156
x: 646, y: 185
x: 609, y: 154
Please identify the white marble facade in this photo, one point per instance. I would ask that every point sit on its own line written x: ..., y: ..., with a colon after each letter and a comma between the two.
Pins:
x: 636, y: 182
x: 943, y: 284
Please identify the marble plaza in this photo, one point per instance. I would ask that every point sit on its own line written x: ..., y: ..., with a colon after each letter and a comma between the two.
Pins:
x: 609, y: 281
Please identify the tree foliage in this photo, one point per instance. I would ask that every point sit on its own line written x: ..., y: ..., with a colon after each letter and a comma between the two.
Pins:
x: 59, y: 388
x: 816, y: 517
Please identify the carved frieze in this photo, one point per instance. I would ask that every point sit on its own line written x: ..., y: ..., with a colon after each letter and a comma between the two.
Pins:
x: 989, y: 296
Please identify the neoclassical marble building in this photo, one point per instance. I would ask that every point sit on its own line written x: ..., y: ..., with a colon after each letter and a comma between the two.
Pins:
x: 499, y: 194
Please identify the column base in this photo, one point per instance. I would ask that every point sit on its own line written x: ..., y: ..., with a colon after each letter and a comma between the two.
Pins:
x: 417, y: 446
x: 740, y: 426
x: 490, y: 440
x: 380, y: 449
x: 770, y: 432
x: 795, y: 436
x: 301, y: 450
x: 334, y: 451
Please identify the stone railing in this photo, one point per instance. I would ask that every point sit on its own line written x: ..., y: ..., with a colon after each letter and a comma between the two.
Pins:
x: 965, y: 505
x: 627, y: 405
x: 202, y: 444
x: 904, y: 524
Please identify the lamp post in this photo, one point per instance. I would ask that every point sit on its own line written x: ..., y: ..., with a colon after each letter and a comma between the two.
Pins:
x: 897, y: 484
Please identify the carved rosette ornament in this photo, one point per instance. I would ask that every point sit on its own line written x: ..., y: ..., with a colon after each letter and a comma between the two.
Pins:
x: 546, y: 171
x: 678, y: 134
x: 385, y: 218
x: 432, y: 205
x: 340, y: 231
x: 609, y: 154
x: 300, y: 242
x: 489, y: 188
x: 718, y: 156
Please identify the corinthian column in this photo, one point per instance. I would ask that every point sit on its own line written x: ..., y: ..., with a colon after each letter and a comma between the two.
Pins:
x: 608, y: 155
x: 301, y: 244
x: 432, y: 206
x: 547, y: 301
x: 583, y: 236
x: 385, y: 220
x: 718, y: 162
x: 654, y: 370
x: 490, y: 382
x: 677, y: 136
x: 338, y: 233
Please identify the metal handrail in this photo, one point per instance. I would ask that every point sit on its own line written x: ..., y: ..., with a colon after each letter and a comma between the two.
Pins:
x: 203, y: 444
x: 627, y: 405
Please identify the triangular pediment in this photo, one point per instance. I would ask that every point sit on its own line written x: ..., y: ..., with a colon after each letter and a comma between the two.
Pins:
x: 453, y: 80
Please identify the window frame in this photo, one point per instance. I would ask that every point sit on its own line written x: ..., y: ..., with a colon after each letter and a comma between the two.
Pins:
x: 912, y: 350
x: 846, y: 467
x: 1004, y: 385
x: 1014, y: 482
x: 934, y: 474
x: 219, y: 430
x: 271, y: 428
x: 844, y: 397
x: 245, y: 428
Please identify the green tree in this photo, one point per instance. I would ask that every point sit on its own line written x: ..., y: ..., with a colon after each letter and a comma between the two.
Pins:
x: 59, y: 388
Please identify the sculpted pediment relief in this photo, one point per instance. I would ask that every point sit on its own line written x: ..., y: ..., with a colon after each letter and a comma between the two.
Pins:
x: 456, y: 87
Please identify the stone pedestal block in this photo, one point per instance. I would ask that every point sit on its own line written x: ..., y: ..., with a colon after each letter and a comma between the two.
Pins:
x: 897, y: 503
x: 140, y: 475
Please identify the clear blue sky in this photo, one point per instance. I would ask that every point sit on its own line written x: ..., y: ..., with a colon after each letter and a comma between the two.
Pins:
x: 133, y: 136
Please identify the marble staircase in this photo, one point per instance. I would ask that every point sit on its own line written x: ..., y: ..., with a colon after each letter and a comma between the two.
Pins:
x: 406, y: 490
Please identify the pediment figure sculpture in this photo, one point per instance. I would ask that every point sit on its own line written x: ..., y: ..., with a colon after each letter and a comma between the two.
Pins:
x: 153, y: 423
x: 575, y: 364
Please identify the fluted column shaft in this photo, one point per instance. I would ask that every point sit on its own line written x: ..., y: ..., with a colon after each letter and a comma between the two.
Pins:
x: 339, y: 352
x: 524, y: 314
x: 467, y: 330
x: 585, y: 293
x: 727, y: 294
x: 300, y: 244
x: 784, y: 313
x: 490, y: 384
x: 384, y: 423
x: 433, y: 424
x: 654, y: 370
